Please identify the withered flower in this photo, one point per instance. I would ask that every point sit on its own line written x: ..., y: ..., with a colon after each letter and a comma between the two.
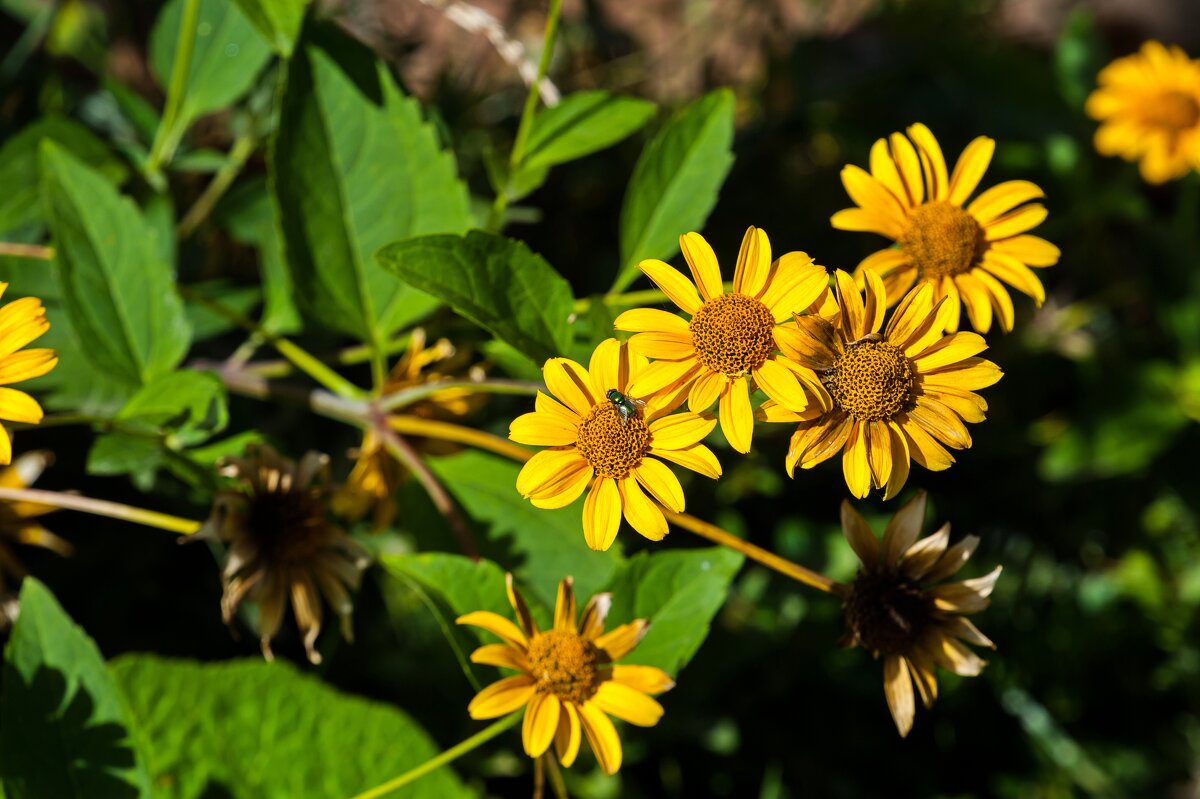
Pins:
x: 282, y: 544
x: 895, y: 609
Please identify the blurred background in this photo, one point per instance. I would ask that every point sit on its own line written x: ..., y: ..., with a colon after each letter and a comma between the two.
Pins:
x: 1083, y: 483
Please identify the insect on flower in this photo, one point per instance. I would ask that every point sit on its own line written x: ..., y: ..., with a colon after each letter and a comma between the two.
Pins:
x: 626, y: 406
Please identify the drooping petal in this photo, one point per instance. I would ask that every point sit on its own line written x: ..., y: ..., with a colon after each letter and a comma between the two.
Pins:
x: 661, y: 483
x: 898, y: 688
x: 879, y: 451
x: 602, y: 514
x: 976, y: 298
x: 568, y: 735
x: 900, y: 461
x: 858, y: 534
x: 502, y: 697
x: 856, y: 467
x: 540, y: 723
x: 1015, y: 274
x: 780, y: 384
x: 705, y: 391
x: 642, y: 514
x: 627, y: 704
x: 602, y: 737
x: 736, y: 415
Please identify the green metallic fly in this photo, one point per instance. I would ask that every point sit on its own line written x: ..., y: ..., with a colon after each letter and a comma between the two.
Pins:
x: 626, y: 406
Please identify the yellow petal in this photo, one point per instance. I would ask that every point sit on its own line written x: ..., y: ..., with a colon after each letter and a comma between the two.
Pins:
x: 795, y: 284
x: 900, y: 461
x: 737, y: 417
x: 680, y: 430
x: 941, y: 423
x: 866, y: 220
x: 565, y: 489
x: 969, y: 170
x: 1001, y: 302
x: 871, y: 195
x: 950, y: 350
x: 970, y: 406
x: 950, y: 310
x: 969, y: 375
x: 602, y: 737
x: 911, y: 316
x: 919, y: 558
x: 502, y: 697
x: 591, y: 621
x: 822, y: 441
x: 501, y: 655
x: 21, y: 321
x: 909, y: 164
x: 17, y: 406
x: 543, y: 430
x: 705, y: 391
x: 875, y: 296
x: 602, y: 514
x: 540, y: 723
x: 855, y: 466
x: 879, y: 451
x: 26, y: 365
x: 780, y: 384
x: 568, y: 735
x: 753, y: 263
x: 678, y: 288
x: 497, y: 625
x: 954, y: 559
x: 858, y: 534
x: 703, y: 262
x: 923, y: 448
x: 524, y: 617
x: 543, y: 473
x: 697, y: 457
x: 1015, y: 274
x: 650, y: 320
x: 627, y: 704
x: 977, y: 298
x: 933, y: 163
x: 564, y: 605
x: 664, y: 346
x: 642, y: 514
x: 609, y: 367
x: 619, y: 642
x: 549, y: 406
x: 571, y: 383
x: 1022, y: 219
x: 883, y: 169
x: 663, y: 376
x: 1004, y: 197
x: 1030, y: 250
x: 647, y: 679
x: 853, y: 324
x: 661, y: 483
x: 898, y: 688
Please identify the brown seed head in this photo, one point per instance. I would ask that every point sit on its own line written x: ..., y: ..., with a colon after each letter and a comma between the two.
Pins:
x: 873, y: 380
x: 943, y: 239
x: 732, y: 334
x: 564, y: 664
x: 612, y: 445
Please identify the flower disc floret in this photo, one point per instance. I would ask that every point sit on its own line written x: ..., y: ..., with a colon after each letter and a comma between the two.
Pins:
x: 732, y: 334
x: 943, y: 240
x: 1175, y: 110
x: 873, y: 380
x: 564, y: 664
x: 613, y: 445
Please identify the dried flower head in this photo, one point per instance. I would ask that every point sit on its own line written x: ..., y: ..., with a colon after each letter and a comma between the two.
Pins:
x: 281, y: 544
x: 568, y: 679
x: 895, y: 608
x: 19, y: 525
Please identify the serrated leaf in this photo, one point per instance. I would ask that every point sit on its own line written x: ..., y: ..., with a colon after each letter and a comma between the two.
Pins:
x: 354, y: 167
x: 63, y: 726
x: 191, y: 405
x: 20, y: 168
x: 583, y: 123
x: 118, y: 290
x: 679, y: 591
x: 675, y: 182
x: 203, y: 726
x: 497, y: 283
x: 227, y: 55
x: 278, y: 21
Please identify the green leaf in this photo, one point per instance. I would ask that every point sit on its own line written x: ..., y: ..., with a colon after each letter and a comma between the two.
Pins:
x: 354, y: 167
x: 549, y: 541
x: 63, y: 726
x: 251, y: 216
x: 117, y: 289
x: 192, y: 405
x: 497, y: 283
x: 462, y: 585
x: 203, y: 726
x: 226, y: 59
x: 138, y: 457
x: 278, y: 21
x: 20, y: 169
x: 581, y: 124
x: 675, y: 182
x: 679, y: 591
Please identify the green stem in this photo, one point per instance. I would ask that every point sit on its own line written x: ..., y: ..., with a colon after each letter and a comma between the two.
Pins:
x: 102, y: 507
x: 556, y: 778
x: 302, y: 359
x: 350, y: 356
x: 451, y: 754
x: 242, y: 148
x: 408, y: 396
x: 166, y: 138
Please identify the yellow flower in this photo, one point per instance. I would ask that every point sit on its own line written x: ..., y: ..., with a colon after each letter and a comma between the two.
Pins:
x: 588, y: 437
x: 730, y: 336
x: 964, y: 251
x: 894, y: 609
x: 568, y: 678
x: 371, y: 485
x: 21, y: 321
x: 282, y: 545
x: 888, y: 397
x: 19, y: 525
x: 1148, y: 106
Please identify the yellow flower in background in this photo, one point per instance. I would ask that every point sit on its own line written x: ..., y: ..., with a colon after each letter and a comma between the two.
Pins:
x: 888, y: 397
x: 895, y: 609
x: 591, y: 441
x: 19, y: 525
x: 21, y: 321
x: 965, y: 251
x: 1148, y: 106
x: 569, y: 682
x: 282, y: 545
x: 730, y: 337
x: 372, y: 483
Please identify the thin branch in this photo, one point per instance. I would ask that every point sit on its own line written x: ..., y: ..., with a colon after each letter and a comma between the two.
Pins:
x: 408, y: 396
x: 27, y: 250
x: 102, y: 507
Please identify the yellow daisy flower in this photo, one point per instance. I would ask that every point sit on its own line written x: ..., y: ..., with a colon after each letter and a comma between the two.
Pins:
x: 589, y: 437
x: 569, y: 681
x: 893, y: 608
x: 1148, y: 106
x: 730, y: 336
x: 965, y: 251
x: 891, y: 396
x: 21, y: 321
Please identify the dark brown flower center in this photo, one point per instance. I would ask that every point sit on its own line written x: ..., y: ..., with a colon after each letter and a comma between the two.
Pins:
x: 886, y: 613
x: 612, y: 444
x: 873, y: 380
x: 943, y: 239
x: 732, y: 334
x: 1173, y: 110
x: 564, y: 664
x: 287, y: 525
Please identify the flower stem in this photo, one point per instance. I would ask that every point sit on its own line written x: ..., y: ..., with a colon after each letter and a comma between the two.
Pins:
x: 242, y: 148
x: 556, y: 778
x: 454, y: 752
x: 166, y: 138
x: 416, y: 426
x: 408, y: 396
x: 27, y: 250
x: 102, y: 507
